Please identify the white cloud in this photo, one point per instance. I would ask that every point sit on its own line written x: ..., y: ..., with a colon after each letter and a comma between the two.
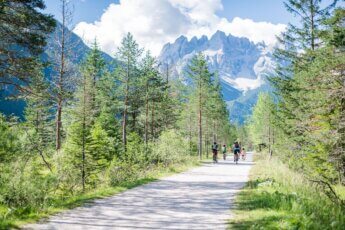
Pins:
x: 255, y: 31
x: 156, y: 22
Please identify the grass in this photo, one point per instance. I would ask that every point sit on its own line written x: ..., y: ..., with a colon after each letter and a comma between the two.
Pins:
x: 278, y: 198
x: 13, y: 219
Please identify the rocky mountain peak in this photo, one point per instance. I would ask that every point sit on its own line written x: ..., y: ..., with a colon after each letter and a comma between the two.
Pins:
x: 242, y: 65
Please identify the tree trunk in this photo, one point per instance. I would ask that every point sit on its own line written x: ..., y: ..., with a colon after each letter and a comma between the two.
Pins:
x: 134, y: 118
x: 190, y: 133
x: 312, y: 18
x: 206, y: 138
x: 124, y: 118
x: 200, y: 122
x: 58, y: 125
x: 83, y: 136
x: 60, y: 82
x: 214, y: 131
x: 153, y: 120
x: 146, y: 114
x: 341, y: 148
x: 269, y: 140
x: 273, y: 139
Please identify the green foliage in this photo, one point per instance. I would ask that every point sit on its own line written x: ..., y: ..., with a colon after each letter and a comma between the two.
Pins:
x: 277, y: 197
x: 9, y: 139
x: 170, y: 148
x: 307, y: 122
x: 136, y: 150
x: 204, y: 117
x: 157, y: 118
x: 121, y: 172
x: 21, y: 191
x: 24, y: 31
x: 262, y: 120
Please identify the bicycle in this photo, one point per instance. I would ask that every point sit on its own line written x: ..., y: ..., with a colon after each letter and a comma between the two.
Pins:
x: 236, y: 157
x: 215, y: 160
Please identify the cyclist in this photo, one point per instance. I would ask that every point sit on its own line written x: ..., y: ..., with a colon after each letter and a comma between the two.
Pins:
x: 237, y: 150
x: 215, y: 152
x: 224, y: 152
x: 243, y: 154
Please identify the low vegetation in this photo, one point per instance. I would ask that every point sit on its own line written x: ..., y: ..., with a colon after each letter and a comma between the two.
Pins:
x: 277, y: 197
x: 54, y: 203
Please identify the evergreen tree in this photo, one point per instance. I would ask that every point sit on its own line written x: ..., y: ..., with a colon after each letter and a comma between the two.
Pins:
x: 198, y: 71
x: 24, y: 29
x: 294, y: 40
x: 87, y: 140
x: 309, y: 118
x: 39, y: 117
x: 262, y: 122
x: 127, y: 73
x: 149, y: 77
x: 64, y: 73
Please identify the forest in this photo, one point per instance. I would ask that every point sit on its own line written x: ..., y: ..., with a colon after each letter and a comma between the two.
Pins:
x: 97, y: 125
x: 300, y: 126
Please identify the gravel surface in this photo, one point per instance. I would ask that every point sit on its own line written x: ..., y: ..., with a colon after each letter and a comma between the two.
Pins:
x: 200, y: 198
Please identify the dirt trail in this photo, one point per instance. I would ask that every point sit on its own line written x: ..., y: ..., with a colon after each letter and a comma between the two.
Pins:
x: 197, y: 199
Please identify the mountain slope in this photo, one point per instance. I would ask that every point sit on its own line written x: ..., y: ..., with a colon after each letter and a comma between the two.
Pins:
x: 80, y: 50
x: 241, y: 65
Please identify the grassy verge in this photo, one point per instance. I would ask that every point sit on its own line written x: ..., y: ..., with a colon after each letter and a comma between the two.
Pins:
x: 278, y: 198
x: 13, y: 219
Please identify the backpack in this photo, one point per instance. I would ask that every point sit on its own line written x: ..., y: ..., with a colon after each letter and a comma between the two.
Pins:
x: 224, y: 149
x: 214, y: 147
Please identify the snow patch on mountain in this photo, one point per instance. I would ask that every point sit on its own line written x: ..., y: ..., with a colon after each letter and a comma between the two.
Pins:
x: 242, y: 66
x: 244, y: 84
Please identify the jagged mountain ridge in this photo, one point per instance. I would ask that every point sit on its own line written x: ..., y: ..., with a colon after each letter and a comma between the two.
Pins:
x: 241, y: 65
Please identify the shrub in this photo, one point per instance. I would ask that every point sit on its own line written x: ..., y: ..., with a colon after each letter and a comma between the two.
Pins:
x: 170, y: 148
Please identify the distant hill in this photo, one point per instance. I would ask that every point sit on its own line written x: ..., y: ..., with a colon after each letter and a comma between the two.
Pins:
x: 80, y: 50
x: 242, y: 67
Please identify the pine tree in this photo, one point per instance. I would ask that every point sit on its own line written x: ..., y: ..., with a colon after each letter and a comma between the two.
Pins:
x: 305, y: 37
x: 87, y: 139
x: 24, y: 29
x: 94, y: 66
x: 38, y: 116
x: 262, y: 122
x: 198, y: 71
x: 63, y: 72
x: 128, y: 54
x: 309, y: 122
x: 149, y: 76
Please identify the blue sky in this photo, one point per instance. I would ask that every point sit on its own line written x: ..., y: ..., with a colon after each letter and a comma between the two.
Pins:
x: 157, y: 22
x: 84, y: 10
x: 258, y: 10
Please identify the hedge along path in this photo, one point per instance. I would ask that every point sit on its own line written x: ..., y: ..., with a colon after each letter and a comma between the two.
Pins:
x: 200, y: 198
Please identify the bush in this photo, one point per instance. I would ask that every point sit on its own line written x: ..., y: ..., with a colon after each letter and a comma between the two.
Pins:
x: 136, y: 152
x: 122, y: 172
x: 170, y: 148
x: 25, y: 187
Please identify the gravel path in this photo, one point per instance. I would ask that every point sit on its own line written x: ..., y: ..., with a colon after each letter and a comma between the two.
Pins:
x: 200, y: 198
